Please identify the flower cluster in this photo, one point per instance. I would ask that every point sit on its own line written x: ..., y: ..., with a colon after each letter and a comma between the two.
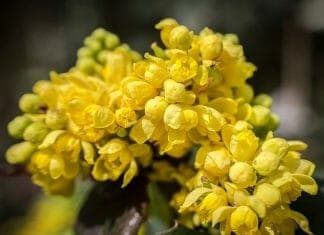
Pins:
x: 73, y: 124
x: 107, y: 116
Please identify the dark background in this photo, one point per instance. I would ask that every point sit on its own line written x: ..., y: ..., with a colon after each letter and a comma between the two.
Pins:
x: 284, y: 38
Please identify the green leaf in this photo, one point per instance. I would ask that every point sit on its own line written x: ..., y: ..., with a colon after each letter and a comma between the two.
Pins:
x: 159, y: 211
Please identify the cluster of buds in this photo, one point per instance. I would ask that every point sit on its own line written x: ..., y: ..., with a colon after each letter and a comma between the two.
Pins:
x: 107, y: 116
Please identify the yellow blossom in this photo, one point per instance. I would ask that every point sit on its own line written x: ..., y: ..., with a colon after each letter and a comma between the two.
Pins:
x: 242, y: 174
x: 244, y: 221
x: 117, y: 157
x: 210, y: 47
x: 268, y: 193
x: 243, y: 145
x: 266, y: 163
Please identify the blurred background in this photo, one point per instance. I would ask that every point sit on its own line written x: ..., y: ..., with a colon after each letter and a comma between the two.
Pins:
x: 284, y: 39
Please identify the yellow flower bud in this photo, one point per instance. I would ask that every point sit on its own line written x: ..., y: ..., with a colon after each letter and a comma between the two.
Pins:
x: 277, y: 146
x: 180, y: 38
x: 263, y: 100
x: 86, y: 65
x: 125, y: 117
x: 190, y: 119
x: 31, y: 103
x: 166, y: 25
x: 268, y: 193
x: 260, y: 116
x: 17, y: 126
x: 211, y: 47
x: 178, y: 117
x: 55, y: 119
x: 243, y: 145
x: 35, y: 132
x: 111, y: 41
x: 274, y: 122
x: 217, y: 162
x: 173, y: 116
x: 46, y: 90
x: 266, y: 163
x: 20, y: 153
x: 167, y: 22
x: 244, y: 220
x: 242, y: 174
x: 85, y: 52
x: 154, y: 108
x: 93, y: 44
x: 174, y: 91
x: 99, y: 34
x: 245, y: 91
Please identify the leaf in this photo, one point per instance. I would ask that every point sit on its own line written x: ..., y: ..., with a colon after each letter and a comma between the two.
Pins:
x: 159, y: 212
x: 193, y: 196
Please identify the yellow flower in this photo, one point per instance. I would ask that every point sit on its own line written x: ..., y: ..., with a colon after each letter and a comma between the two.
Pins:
x: 276, y: 146
x: 137, y: 92
x: 55, y: 119
x: 176, y: 92
x: 209, y: 120
x: 244, y: 221
x: 118, y: 157
x: 210, y: 203
x: 210, y: 47
x: 268, y: 193
x: 155, y: 108
x: 166, y: 25
x: 180, y: 37
x: 242, y: 174
x: 266, y: 163
x: 182, y: 67
x: 243, y: 145
x: 283, y: 220
x: 125, y: 117
x: 292, y: 185
x: 155, y: 73
x: 178, y: 117
x: 215, y: 160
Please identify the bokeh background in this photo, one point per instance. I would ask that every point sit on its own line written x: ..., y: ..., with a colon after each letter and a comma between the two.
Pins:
x: 284, y: 38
